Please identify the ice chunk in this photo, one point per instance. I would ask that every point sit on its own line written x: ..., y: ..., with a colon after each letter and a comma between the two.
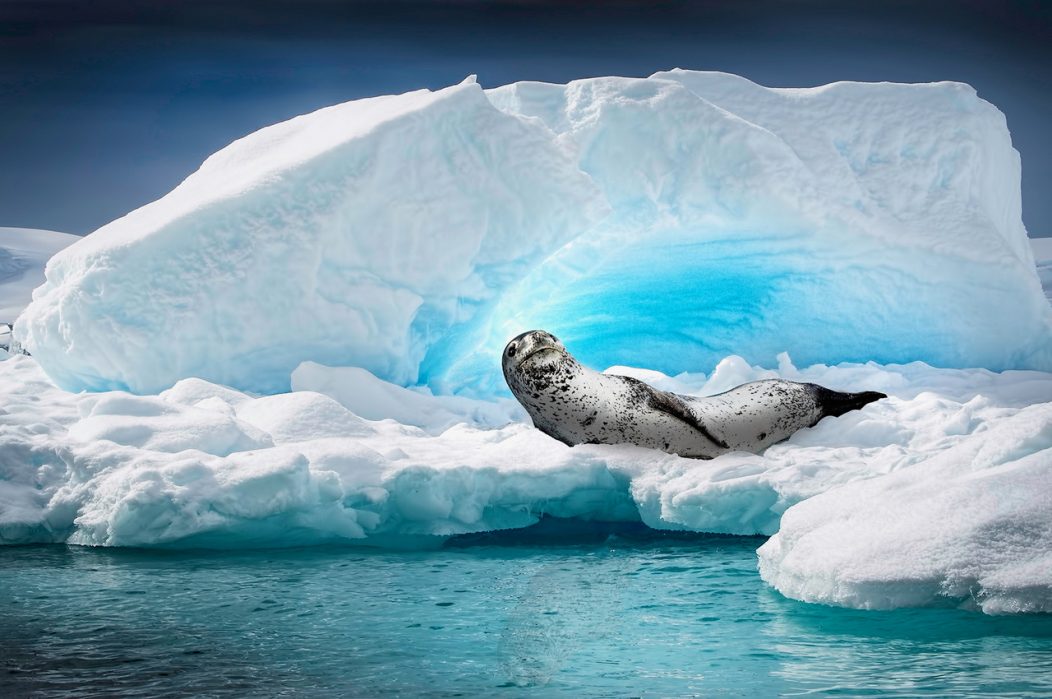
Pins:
x: 849, y: 222
x: 366, y: 395
x: 245, y: 499
x: 359, y: 234
x: 301, y: 417
x: 971, y: 525
x: 153, y: 424
x: 665, y: 222
x: 194, y: 391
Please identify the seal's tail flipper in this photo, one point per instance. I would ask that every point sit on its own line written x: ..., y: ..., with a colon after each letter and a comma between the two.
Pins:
x: 836, y: 403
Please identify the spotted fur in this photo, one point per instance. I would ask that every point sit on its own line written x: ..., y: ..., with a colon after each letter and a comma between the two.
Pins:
x: 577, y: 405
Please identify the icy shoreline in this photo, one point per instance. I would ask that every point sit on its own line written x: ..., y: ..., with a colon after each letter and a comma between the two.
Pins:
x: 202, y: 465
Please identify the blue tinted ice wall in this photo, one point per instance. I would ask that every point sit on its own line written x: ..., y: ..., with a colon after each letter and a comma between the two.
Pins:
x: 662, y: 222
x: 849, y: 222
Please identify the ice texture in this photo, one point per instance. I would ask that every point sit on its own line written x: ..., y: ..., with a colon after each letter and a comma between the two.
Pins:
x: 664, y: 222
x: 357, y: 235
x: 937, y: 495
x: 970, y: 523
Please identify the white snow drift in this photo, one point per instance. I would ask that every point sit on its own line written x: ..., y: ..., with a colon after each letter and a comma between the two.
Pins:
x: 664, y: 222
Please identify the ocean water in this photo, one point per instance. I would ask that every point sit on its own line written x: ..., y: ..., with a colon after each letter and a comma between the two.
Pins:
x: 547, y: 612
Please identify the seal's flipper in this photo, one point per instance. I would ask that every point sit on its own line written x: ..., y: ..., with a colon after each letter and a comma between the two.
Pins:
x: 675, y: 406
x: 836, y: 403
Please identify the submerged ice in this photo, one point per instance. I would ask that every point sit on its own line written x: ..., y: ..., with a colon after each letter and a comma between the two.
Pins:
x: 664, y: 222
x: 275, y: 348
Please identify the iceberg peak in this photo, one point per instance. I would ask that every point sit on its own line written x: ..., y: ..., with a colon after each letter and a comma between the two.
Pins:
x: 664, y: 222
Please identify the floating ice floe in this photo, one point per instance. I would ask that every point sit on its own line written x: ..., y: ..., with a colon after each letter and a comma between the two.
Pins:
x: 938, y: 493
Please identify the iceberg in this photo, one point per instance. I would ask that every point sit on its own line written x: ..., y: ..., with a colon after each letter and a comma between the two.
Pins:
x: 360, y: 235
x: 665, y: 222
x: 299, y: 344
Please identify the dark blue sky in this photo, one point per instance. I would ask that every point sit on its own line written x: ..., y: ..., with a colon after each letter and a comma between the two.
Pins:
x: 105, y: 106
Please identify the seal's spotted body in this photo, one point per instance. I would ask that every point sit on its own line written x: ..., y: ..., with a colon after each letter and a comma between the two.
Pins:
x: 577, y: 405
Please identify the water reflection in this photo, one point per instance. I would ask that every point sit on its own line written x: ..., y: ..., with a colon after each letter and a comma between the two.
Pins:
x: 587, y: 613
x: 949, y: 652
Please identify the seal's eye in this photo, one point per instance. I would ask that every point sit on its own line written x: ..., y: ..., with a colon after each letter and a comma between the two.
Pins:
x: 554, y: 338
x: 511, y: 350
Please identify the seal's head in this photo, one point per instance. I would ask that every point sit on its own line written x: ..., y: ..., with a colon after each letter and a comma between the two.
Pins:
x: 533, y: 357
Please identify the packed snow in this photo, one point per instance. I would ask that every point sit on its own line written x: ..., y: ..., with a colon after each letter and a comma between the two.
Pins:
x: 664, y: 222
x: 970, y: 523
x: 300, y: 343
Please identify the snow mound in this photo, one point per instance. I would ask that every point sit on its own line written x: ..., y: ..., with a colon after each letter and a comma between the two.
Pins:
x: 972, y: 524
x: 664, y: 222
x: 23, y: 254
x: 366, y: 395
x: 938, y: 494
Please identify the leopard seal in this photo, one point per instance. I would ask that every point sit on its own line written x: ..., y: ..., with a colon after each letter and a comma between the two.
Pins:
x: 578, y: 405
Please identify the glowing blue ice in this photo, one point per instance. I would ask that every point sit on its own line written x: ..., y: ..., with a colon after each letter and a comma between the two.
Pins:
x: 663, y: 222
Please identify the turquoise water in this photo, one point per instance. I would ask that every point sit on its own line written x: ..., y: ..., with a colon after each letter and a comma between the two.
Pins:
x: 605, y: 614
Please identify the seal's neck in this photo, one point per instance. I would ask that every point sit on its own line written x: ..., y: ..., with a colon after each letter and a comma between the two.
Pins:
x: 550, y: 371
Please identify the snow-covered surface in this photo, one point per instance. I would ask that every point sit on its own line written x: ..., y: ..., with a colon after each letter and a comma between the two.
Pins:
x: 940, y: 492
x: 972, y: 522
x: 664, y: 222
x: 23, y: 254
